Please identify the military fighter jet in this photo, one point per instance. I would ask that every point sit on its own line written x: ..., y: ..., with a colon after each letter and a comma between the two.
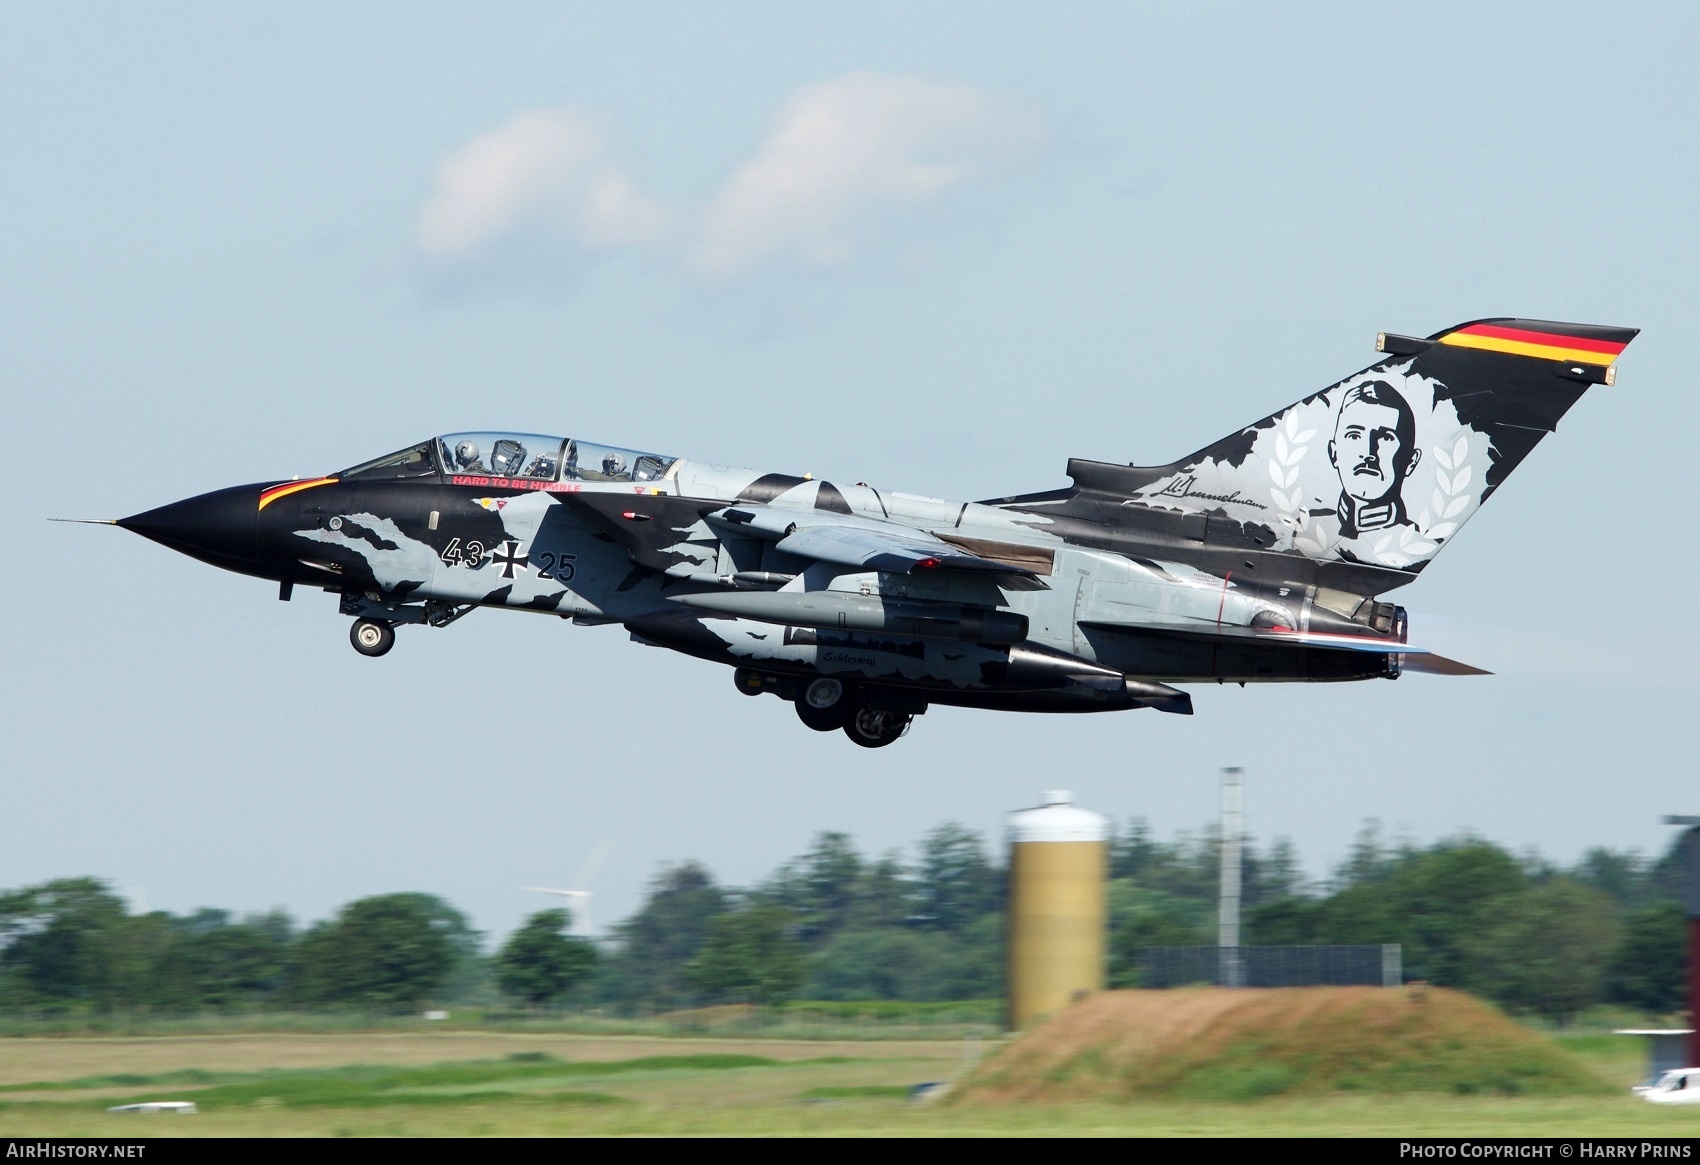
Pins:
x: 1260, y: 558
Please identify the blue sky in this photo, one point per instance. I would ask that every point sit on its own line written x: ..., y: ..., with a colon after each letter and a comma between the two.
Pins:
x: 940, y: 248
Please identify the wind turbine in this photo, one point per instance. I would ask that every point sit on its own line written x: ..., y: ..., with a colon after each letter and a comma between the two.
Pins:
x: 579, y: 896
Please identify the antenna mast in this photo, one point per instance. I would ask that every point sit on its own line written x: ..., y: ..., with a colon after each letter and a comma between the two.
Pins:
x: 1230, y: 967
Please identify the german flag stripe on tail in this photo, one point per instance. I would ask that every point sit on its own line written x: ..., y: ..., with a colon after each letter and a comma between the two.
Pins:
x: 1572, y: 343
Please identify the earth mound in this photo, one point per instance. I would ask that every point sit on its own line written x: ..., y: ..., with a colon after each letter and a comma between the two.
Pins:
x: 1211, y: 1043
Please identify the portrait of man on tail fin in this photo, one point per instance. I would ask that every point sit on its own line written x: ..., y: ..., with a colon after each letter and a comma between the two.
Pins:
x: 1373, y: 451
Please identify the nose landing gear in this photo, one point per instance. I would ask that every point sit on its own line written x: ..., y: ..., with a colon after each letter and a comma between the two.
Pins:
x: 371, y: 636
x: 376, y: 618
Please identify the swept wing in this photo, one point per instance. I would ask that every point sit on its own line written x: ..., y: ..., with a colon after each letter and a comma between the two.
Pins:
x: 856, y: 542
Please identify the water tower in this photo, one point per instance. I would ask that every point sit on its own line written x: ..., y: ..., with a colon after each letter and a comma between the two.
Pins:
x: 1057, y: 869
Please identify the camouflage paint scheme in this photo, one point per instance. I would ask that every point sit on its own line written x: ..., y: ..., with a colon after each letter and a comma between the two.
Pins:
x: 1260, y: 558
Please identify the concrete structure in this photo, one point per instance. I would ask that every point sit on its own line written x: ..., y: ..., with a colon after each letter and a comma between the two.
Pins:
x: 1057, y: 870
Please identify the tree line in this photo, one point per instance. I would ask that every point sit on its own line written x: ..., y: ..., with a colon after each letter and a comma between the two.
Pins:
x: 836, y: 924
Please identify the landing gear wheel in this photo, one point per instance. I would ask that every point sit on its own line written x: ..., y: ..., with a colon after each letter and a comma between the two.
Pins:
x: 826, y: 704
x: 872, y: 729
x: 747, y: 681
x: 371, y: 637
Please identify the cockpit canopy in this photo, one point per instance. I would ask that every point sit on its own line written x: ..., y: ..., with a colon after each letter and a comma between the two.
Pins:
x: 501, y: 455
x: 527, y: 456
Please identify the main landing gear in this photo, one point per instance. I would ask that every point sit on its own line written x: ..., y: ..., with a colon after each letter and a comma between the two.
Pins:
x: 829, y: 705
x: 826, y: 704
x: 871, y: 728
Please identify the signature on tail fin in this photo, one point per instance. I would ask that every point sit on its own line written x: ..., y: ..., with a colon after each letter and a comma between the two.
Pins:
x: 1384, y: 467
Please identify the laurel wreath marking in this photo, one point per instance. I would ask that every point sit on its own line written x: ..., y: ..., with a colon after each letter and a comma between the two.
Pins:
x: 1291, y: 445
x: 1434, y: 525
x: 1450, y: 496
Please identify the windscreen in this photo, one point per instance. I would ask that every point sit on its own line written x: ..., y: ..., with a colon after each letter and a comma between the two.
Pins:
x: 414, y: 461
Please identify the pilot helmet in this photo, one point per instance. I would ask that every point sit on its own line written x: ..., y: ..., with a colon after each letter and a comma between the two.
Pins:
x: 466, y: 452
x: 613, y: 465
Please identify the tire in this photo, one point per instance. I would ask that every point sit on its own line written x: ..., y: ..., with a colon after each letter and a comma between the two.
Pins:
x: 872, y: 729
x: 747, y: 681
x: 826, y: 705
x: 371, y: 636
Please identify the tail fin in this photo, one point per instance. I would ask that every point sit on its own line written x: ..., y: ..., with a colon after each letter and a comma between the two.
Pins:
x: 1384, y: 467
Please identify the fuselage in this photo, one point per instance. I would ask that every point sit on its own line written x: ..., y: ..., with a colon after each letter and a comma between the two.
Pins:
x: 601, y: 535
x: 1257, y: 558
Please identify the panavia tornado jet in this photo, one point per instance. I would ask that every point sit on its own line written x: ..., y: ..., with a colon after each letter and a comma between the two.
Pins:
x: 1261, y: 558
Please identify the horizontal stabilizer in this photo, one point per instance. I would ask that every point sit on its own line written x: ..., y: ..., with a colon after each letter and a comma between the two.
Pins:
x: 1414, y: 659
x: 1439, y: 665
x: 1274, y: 636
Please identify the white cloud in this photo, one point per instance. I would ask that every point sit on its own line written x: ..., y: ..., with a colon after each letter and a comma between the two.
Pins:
x: 545, y: 170
x: 842, y: 158
x: 842, y: 151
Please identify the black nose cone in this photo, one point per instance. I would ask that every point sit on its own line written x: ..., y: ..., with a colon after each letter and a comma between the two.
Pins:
x: 218, y: 527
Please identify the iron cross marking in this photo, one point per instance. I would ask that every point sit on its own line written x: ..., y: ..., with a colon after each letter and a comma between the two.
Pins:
x: 509, y: 557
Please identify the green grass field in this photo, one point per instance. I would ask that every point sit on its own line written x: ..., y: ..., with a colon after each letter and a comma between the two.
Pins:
x: 305, y: 1085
